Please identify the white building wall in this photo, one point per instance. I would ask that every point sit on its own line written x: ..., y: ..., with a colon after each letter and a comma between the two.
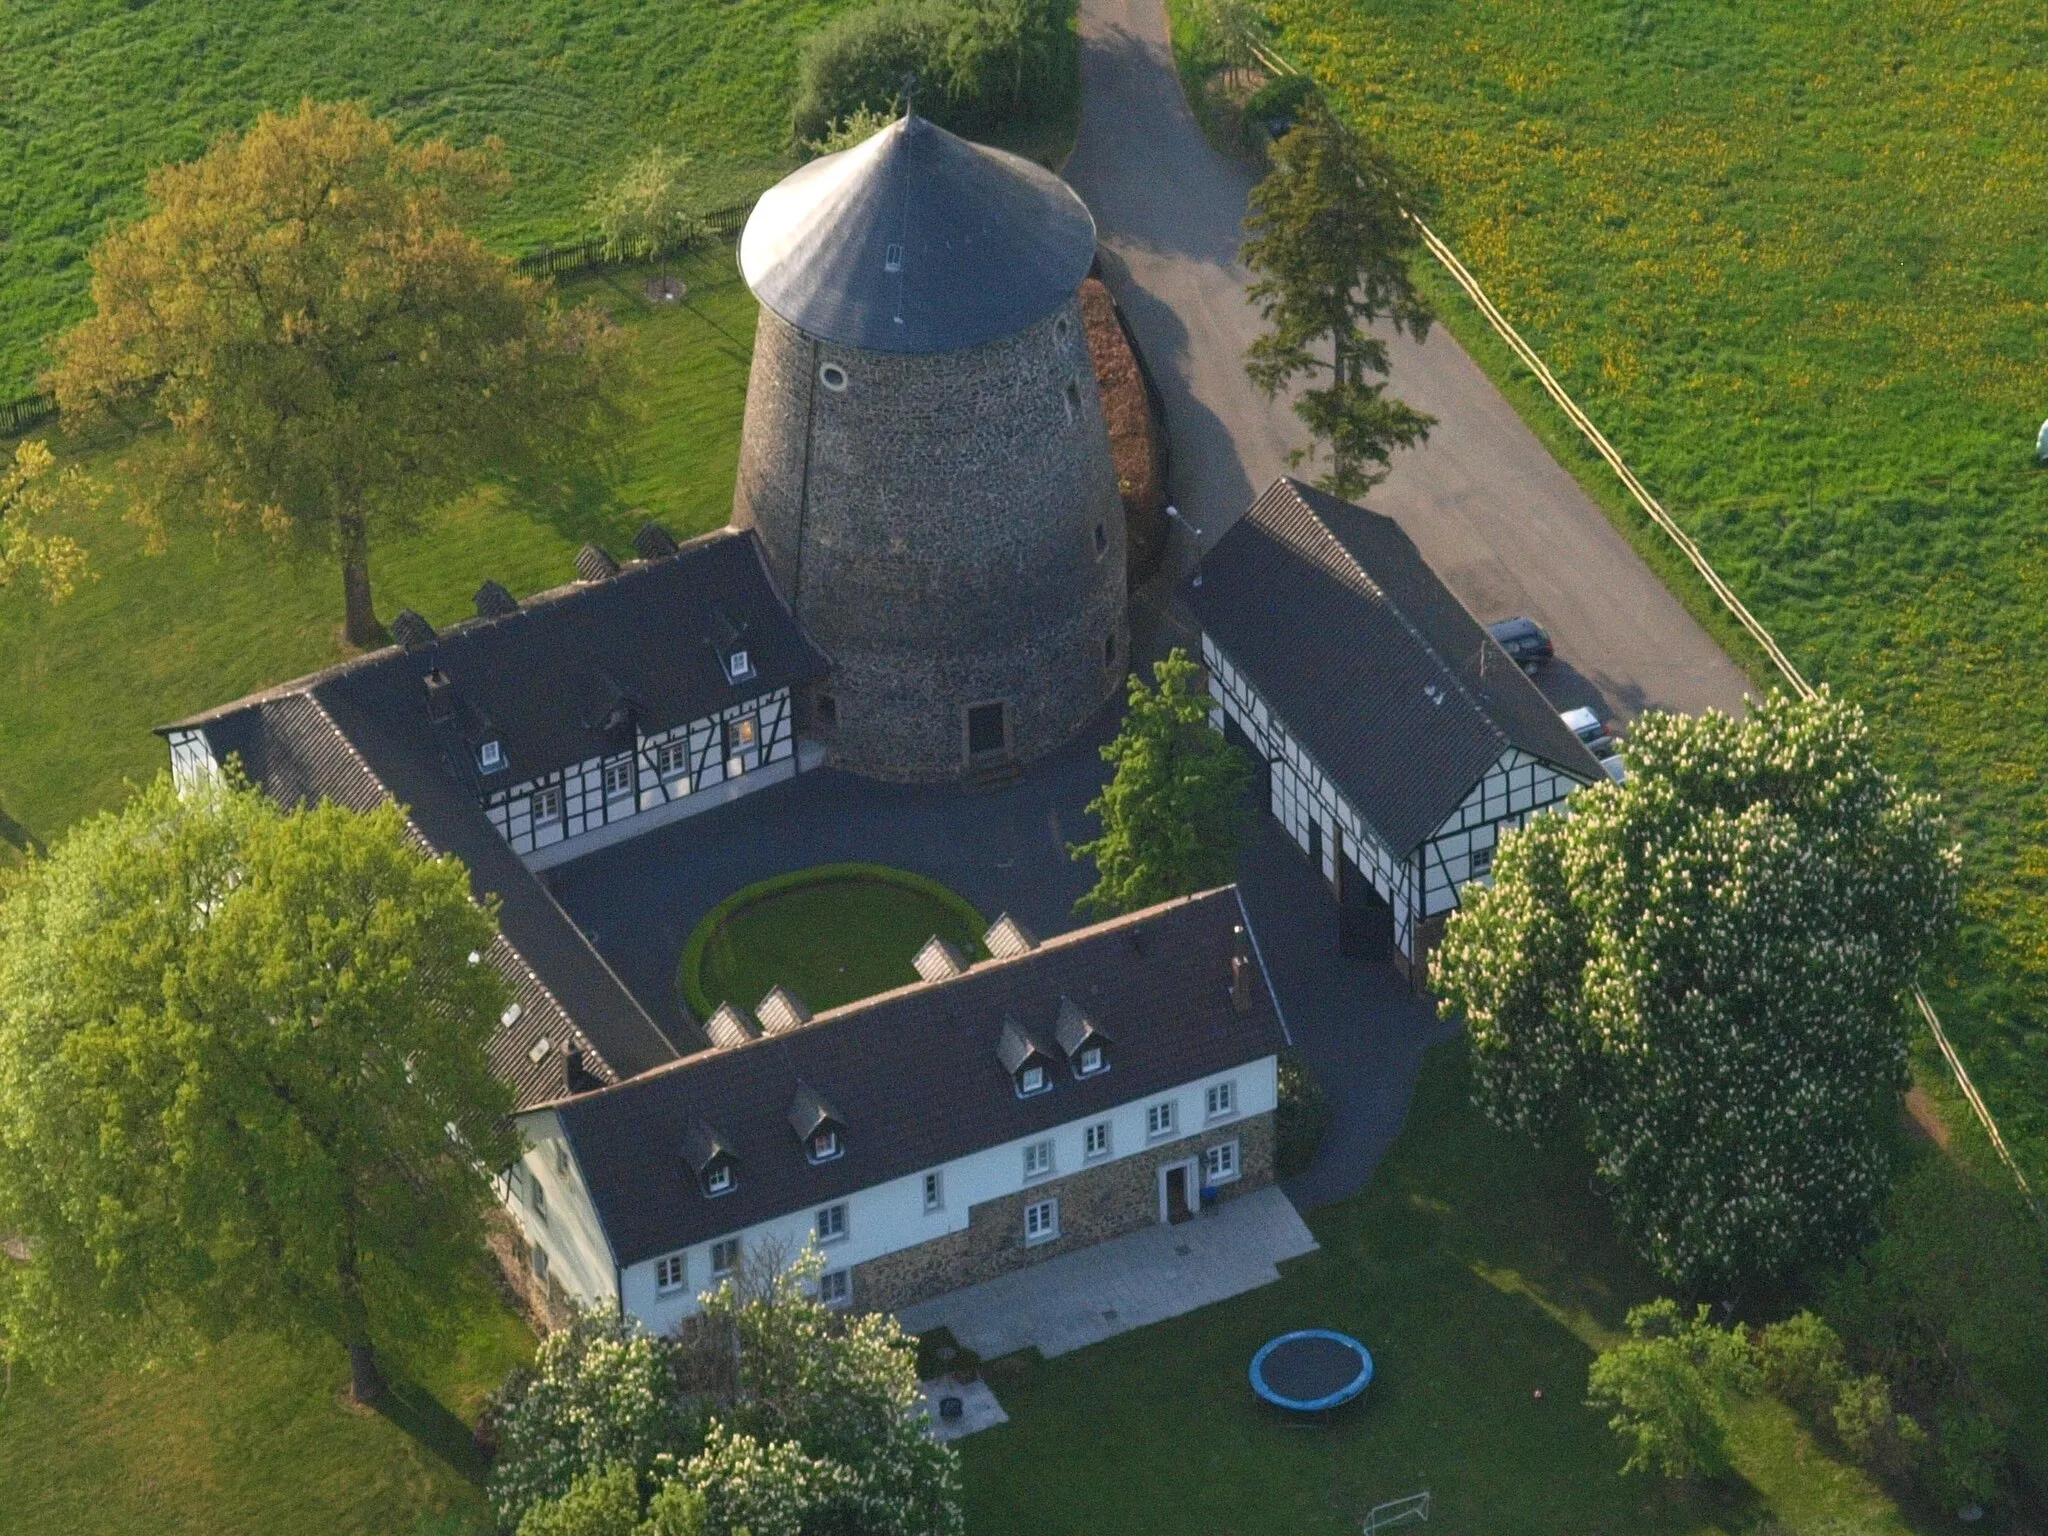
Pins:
x: 192, y: 760
x: 887, y: 1218
x: 563, y: 1223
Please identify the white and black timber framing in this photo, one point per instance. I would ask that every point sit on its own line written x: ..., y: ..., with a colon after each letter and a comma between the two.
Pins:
x: 1395, y: 737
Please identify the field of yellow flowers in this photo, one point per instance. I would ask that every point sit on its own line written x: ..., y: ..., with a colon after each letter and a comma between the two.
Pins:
x: 1792, y: 255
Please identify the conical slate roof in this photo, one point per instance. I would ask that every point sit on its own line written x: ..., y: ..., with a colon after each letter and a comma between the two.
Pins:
x: 917, y: 241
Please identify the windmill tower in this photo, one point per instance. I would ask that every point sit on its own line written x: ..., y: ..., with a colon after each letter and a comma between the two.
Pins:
x: 924, y: 459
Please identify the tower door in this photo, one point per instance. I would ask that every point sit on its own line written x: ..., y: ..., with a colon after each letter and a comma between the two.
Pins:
x: 987, y: 730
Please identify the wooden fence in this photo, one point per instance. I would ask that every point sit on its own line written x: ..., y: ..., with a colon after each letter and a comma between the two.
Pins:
x: 32, y: 411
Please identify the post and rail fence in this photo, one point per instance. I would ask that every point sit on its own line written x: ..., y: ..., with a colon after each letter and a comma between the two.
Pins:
x: 27, y: 412
x: 1654, y: 510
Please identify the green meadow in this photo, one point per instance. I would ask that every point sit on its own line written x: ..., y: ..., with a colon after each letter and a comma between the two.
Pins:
x: 1793, y: 258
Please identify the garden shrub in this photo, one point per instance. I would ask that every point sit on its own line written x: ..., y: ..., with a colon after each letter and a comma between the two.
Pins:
x: 1665, y: 1384
x: 977, y: 63
x: 1278, y: 103
x: 1874, y: 1432
x: 1304, y: 1113
x: 1802, y: 1363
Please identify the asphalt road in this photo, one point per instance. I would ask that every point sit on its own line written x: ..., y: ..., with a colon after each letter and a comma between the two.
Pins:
x: 1505, y: 526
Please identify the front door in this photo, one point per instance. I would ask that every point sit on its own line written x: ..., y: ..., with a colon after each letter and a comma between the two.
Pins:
x: 1365, y: 922
x: 1179, y: 1206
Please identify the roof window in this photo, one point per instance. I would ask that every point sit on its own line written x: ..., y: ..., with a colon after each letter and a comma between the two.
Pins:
x: 490, y: 756
x: 739, y: 666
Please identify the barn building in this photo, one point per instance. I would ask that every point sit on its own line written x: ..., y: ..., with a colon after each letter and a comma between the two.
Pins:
x: 924, y: 458
x: 1394, y: 738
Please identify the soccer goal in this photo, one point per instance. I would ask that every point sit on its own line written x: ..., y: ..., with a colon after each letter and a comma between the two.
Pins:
x: 1413, y: 1510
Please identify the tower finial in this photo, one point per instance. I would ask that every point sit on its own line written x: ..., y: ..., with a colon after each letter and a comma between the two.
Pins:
x: 910, y: 94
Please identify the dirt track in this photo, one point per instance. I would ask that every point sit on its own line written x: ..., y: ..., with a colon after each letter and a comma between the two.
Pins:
x: 1505, y: 526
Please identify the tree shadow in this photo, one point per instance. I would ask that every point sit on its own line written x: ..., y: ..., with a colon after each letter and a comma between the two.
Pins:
x: 415, y: 1410
x: 17, y: 836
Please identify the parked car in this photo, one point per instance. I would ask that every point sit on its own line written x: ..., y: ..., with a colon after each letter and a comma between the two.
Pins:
x: 1596, y: 733
x: 1524, y: 640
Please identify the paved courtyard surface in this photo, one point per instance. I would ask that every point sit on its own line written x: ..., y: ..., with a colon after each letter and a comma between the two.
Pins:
x: 1145, y: 1277
x: 979, y: 1409
x: 1504, y: 525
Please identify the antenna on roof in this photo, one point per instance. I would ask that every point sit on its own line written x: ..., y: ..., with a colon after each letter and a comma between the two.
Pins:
x: 910, y: 93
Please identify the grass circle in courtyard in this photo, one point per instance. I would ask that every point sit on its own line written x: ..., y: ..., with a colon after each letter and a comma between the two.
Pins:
x: 832, y: 934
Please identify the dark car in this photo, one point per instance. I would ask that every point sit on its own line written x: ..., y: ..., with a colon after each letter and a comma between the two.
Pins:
x: 1524, y: 640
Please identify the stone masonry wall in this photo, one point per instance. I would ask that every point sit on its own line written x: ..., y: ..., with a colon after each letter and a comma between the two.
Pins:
x: 1095, y: 1203
x: 949, y: 531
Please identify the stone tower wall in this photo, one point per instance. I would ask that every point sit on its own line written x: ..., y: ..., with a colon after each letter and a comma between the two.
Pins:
x: 935, y: 525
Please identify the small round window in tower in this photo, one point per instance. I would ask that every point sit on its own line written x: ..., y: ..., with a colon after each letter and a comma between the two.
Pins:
x: 833, y: 377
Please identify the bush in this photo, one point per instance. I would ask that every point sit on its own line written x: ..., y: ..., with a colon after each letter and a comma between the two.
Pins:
x: 1278, y: 103
x: 1802, y: 1363
x: 1303, y: 1116
x: 978, y: 63
x: 1664, y: 1383
x: 1872, y: 1431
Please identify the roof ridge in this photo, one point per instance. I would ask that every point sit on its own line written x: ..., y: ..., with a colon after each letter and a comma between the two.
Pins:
x: 1400, y: 614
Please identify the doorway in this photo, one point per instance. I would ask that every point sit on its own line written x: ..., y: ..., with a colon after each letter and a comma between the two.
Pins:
x: 1177, y: 1191
x: 1365, y: 920
x: 987, y: 730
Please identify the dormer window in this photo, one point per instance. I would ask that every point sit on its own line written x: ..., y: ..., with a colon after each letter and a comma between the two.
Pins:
x: 820, y: 1130
x: 1081, y: 1039
x: 718, y: 1179
x: 1028, y: 1061
x: 490, y: 757
x: 739, y: 666
x: 1091, y: 1061
x: 710, y: 1157
x: 824, y: 1146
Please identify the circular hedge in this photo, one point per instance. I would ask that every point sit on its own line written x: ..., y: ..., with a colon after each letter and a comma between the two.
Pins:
x: 830, y: 934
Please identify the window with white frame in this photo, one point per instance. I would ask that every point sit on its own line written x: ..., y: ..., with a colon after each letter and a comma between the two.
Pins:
x: 824, y: 1145
x: 725, y: 1256
x: 669, y: 1273
x: 1041, y: 1222
x: 490, y: 756
x: 1037, y: 1159
x: 562, y: 1158
x: 1219, y: 1163
x: 1159, y: 1119
x: 741, y: 734
x: 672, y: 757
x: 547, y: 804
x: 1095, y: 1140
x: 934, y: 1191
x: 618, y: 778
x: 718, y: 1180
x: 832, y: 1222
x: 1091, y: 1061
x: 1221, y: 1100
x: 537, y: 1198
x: 1032, y: 1080
x: 835, y: 1287
x: 739, y: 666
x: 1482, y: 861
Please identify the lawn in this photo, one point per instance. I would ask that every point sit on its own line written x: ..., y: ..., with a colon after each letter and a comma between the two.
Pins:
x: 158, y: 636
x: 1478, y: 1273
x: 832, y: 935
x: 97, y: 92
x: 1793, y: 258
x: 256, y: 1436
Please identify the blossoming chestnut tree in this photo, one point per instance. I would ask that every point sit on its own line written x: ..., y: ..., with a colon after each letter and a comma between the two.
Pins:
x: 1699, y: 974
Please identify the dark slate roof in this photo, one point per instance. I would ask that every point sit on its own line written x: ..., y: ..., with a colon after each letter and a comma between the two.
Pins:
x: 916, y: 1076
x: 984, y: 243
x: 1398, y: 693
x: 540, y: 682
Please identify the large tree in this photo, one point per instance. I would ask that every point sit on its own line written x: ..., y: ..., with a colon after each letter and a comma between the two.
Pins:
x: 1329, y: 238
x: 1172, y: 811
x: 243, y: 1079
x: 334, y: 355
x: 1698, y: 975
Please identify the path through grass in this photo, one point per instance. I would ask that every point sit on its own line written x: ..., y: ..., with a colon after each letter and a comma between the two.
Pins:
x: 1793, y: 258
x: 1477, y: 1273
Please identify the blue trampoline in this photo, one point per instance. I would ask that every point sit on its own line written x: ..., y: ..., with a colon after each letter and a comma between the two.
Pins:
x: 1311, y: 1371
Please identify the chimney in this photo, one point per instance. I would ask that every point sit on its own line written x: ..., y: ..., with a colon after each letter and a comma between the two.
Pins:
x: 1242, y: 971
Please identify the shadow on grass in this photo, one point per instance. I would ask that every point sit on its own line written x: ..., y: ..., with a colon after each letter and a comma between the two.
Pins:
x: 412, y: 1408
x: 18, y: 837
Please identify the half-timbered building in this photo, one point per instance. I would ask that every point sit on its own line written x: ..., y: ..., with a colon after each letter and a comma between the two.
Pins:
x: 1394, y: 737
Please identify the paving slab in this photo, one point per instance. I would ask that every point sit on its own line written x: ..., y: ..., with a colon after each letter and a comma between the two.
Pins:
x: 979, y: 1409
x: 1129, y: 1282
